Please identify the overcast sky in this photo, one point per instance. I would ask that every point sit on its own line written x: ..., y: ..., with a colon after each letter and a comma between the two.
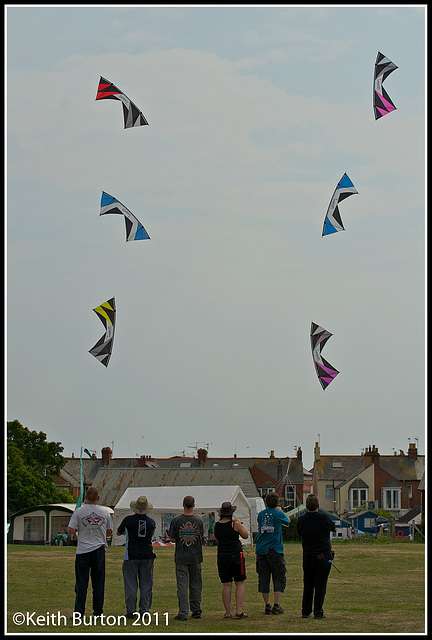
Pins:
x: 255, y: 113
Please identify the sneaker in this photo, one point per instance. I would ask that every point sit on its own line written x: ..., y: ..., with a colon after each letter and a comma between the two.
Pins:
x: 268, y: 609
x: 305, y: 615
x: 131, y: 615
x: 277, y: 610
x: 197, y: 614
x: 179, y: 617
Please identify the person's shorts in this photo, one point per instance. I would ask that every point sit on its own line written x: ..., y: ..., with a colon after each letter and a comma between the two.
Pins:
x: 271, y: 565
x: 232, y: 567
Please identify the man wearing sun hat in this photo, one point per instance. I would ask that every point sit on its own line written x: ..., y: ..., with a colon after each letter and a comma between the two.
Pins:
x: 139, y: 556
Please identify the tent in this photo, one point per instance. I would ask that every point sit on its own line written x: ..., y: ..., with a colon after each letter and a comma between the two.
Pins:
x: 256, y: 504
x: 40, y: 523
x: 168, y: 502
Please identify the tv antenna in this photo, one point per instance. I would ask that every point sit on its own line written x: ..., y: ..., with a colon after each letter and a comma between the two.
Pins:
x: 194, y: 445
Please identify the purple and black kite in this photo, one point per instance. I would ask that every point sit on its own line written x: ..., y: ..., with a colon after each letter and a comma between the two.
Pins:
x: 133, y: 117
x: 381, y: 101
x: 325, y: 372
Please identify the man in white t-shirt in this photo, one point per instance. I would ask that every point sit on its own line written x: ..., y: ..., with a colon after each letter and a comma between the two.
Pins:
x: 93, y: 525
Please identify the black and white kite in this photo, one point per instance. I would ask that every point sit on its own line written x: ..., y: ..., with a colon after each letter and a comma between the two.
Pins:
x: 133, y: 117
x: 134, y: 228
x: 381, y: 101
x: 107, y: 315
x: 326, y: 372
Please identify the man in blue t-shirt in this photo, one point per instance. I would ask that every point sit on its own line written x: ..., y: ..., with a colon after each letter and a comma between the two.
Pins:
x: 139, y: 556
x: 270, y: 559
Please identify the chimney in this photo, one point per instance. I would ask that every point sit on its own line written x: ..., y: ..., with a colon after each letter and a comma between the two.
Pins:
x: 299, y: 454
x: 272, y: 455
x: 371, y: 456
x: 202, y: 456
x: 106, y: 455
x: 317, y: 452
x: 412, y: 451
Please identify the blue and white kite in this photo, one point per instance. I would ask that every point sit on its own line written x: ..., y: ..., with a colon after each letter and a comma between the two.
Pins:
x: 134, y: 228
x: 332, y: 221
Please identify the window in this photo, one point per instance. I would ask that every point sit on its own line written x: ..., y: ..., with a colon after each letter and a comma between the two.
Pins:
x: 369, y: 522
x: 290, y: 495
x: 391, y: 498
x: 329, y: 492
x: 409, y: 486
x: 358, y: 497
x: 34, y: 528
x: 265, y: 490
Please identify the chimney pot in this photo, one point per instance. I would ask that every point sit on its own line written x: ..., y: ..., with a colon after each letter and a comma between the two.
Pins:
x: 412, y: 451
x: 106, y: 455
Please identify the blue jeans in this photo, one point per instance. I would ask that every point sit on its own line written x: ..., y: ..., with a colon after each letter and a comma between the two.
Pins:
x: 90, y: 564
x: 138, y: 573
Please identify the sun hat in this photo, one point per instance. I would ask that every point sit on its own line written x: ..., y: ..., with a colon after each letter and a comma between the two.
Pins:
x: 227, y: 509
x: 141, y: 505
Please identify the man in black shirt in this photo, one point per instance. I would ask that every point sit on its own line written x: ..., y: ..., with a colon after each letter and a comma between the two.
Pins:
x: 314, y: 529
x: 139, y: 556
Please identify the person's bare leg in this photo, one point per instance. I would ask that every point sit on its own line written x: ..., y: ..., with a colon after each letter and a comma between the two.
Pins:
x: 226, y: 598
x: 239, y: 596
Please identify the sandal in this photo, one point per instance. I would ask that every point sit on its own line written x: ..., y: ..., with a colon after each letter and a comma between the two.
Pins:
x: 242, y: 615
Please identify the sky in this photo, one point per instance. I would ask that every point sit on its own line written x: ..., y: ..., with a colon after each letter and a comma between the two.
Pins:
x: 255, y: 112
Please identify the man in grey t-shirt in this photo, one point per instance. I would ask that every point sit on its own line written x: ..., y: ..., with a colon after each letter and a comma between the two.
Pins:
x: 187, y: 531
x: 93, y: 524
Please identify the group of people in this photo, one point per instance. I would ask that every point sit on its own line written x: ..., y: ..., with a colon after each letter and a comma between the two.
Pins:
x: 93, y: 525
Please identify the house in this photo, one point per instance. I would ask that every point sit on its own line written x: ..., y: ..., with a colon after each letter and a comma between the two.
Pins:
x: 343, y: 527
x: 256, y: 476
x: 408, y: 523
x: 366, y: 521
x: 112, y: 483
x: 344, y: 483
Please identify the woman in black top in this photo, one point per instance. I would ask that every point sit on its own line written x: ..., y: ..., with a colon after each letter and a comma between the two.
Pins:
x: 230, y: 558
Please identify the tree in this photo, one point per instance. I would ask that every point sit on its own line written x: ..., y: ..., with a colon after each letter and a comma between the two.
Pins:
x: 31, y: 462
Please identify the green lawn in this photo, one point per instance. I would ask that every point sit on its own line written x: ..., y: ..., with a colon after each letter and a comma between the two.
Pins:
x: 380, y: 589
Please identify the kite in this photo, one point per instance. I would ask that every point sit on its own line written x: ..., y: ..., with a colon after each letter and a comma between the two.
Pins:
x: 103, y: 348
x: 332, y: 221
x: 134, y: 228
x: 133, y: 117
x: 381, y: 101
x: 325, y: 372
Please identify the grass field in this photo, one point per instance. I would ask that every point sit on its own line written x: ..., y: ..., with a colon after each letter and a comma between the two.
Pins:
x: 380, y: 590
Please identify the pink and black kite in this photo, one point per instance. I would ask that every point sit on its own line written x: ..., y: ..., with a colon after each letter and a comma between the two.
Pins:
x: 381, y: 101
x: 326, y: 372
